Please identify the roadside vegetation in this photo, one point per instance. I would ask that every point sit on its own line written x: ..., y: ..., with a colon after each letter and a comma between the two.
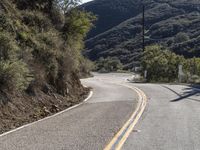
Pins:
x: 109, y: 64
x: 162, y: 65
x: 40, y: 58
x: 172, y: 23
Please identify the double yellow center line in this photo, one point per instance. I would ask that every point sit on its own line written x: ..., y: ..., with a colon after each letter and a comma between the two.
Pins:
x: 120, y: 138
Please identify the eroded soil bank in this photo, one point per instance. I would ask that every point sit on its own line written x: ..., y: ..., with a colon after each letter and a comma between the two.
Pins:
x: 17, y: 109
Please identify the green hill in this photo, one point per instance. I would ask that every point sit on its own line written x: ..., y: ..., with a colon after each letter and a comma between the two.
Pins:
x: 118, y: 33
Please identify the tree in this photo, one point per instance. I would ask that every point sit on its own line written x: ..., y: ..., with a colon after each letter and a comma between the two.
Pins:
x: 181, y: 37
x: 77, y: 24
x: 66, y: 5
x: 108, y: 64
x: 161, y: 64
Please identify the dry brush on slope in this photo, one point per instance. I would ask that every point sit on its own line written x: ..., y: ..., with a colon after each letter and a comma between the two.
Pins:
x: 40, y: 59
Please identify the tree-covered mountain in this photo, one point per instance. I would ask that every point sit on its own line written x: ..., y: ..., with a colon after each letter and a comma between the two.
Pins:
x: 118, y: 32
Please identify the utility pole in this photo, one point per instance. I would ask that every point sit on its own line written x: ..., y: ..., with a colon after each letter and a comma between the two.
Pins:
x: 143, y: 36
x: 143, y: 27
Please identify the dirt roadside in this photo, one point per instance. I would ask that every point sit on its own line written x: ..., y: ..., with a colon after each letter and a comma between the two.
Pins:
x: 20, y: 108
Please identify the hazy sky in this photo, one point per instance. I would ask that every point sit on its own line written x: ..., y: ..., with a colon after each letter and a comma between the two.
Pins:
x: 84, y: 1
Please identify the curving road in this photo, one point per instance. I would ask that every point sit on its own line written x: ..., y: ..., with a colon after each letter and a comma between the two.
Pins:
x: 171, y: 120
x: 88, y: 127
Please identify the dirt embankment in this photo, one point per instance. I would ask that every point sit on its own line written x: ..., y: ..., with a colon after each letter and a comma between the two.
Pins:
x: 17, y: 109
x: 40, y: 59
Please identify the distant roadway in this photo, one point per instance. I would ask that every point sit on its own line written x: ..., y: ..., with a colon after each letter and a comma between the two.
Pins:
x: 119, y: 115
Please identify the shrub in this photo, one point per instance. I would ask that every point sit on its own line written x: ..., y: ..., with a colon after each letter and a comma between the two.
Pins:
x: 37, y: 20
x: 13, y: 72
x: 14, y: 75
x: 40, y: 37
x: 77, y: 24
x: 194, y: 79
x: 108, y: 64
x: 181, y: 37
x: 86, y: 66
x: 5, y: 23
x: 161, y: 64
x: 8, y: 48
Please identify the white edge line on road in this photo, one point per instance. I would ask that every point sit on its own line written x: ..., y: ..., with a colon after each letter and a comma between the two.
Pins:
x: 59, y: 113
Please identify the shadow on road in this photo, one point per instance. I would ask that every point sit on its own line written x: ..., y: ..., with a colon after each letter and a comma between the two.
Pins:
x: 187, y: 93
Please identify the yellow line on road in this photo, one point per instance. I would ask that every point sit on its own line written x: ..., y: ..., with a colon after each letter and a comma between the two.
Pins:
x: 119, y: 139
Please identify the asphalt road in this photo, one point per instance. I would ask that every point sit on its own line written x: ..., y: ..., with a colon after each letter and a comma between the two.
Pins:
x: 88, y: 127
x: 171, y: 120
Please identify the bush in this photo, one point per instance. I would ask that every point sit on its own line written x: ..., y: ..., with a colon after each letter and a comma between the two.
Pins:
x: 36, y: 20
x: 161, y: 64
x: 86, y: 66
x: 5, y: 23
x: 14, y: 75
x: 13, y: 72
x: 8, y: 48
x: 77, y: 24
x: 36, y: 35
x: 181, y: 37
x: 194, y: 79
x: 108, y: 64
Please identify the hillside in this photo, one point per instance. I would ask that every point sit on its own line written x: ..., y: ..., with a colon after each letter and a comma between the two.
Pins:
x: 172, y: 23
x: 111, y: 13
x: 40, y: 60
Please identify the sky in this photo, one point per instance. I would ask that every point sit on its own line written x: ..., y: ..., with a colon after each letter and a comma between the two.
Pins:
x: 84, y: 1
